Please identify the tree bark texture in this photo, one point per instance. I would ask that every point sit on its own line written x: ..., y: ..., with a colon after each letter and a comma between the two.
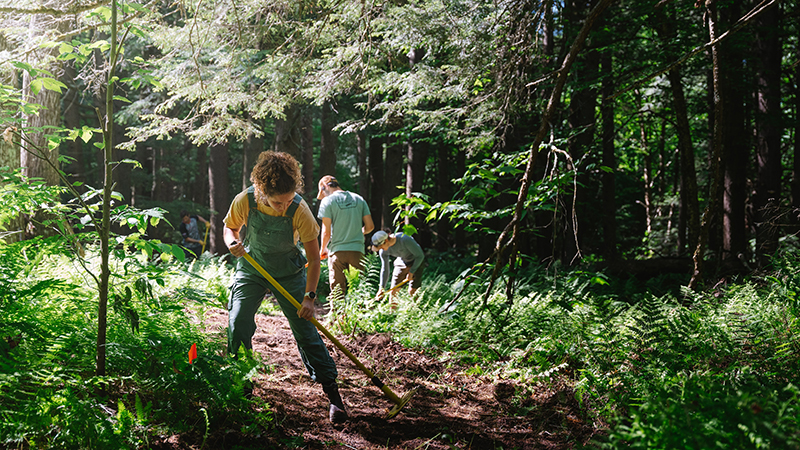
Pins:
x: 609, y: 219
x: 376, y: 180
x: 717, y: 143
x: 444, y: 192
x: 416, y: 160
x: 328, y: 141
x: 35, y: 145
x: 735, y: 154
x: 363, y: 169
x: 72, y: 120
x: 795, y: 186
x: 393, y: 175
x: 307, y: 141
x: 582, y: 122
x: 218, y: 196
x: 287, y: 132
x: 689, y: 205
x: 689, y: 208
x: 253, y: 147
x: 37, y: 159
x: 768, y: 134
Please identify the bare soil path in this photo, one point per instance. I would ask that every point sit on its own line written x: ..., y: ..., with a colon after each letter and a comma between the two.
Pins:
x: 449, y: 410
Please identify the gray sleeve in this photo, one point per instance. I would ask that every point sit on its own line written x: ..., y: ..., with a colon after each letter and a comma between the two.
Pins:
x: 419, y: 255
x: 384, y: 255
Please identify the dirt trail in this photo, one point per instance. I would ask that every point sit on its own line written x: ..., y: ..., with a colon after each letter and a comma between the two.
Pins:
x: 449, y: 410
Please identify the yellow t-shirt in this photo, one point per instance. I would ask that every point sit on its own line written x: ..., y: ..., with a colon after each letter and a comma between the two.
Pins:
x: 305, y: 225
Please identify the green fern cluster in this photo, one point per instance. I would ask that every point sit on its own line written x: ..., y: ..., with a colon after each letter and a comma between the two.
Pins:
x: 50, y: 396
x: 665, y: 371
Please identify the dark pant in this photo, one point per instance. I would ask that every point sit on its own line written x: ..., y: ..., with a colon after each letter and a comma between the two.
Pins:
x: 247, y: 293
x: 194, y: 248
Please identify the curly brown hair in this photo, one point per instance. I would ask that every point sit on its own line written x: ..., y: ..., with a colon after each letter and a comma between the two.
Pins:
x: 276, y: 173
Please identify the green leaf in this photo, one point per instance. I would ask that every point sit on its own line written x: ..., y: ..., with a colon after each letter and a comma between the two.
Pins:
x: 105, y: 11
x: 102, y: 45
x: 52, y: 84
x: 86, y: 134
x: 122, y: 99
x: 85, y: 50
x: 65, y: 48
x: 36, y: 86
x: 178, y: 253
x: 24, y: 66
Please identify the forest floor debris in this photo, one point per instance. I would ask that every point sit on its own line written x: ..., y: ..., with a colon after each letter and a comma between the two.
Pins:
x: 451, y: 409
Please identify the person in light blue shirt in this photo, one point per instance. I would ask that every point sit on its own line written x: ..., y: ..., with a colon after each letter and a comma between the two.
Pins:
x: 408, y: 263
x: 345, y: 220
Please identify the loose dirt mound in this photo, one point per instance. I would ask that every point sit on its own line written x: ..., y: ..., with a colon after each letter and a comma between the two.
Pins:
x: 449, y: 410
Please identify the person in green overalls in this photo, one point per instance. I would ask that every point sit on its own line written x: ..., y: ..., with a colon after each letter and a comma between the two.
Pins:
x: 277, y: 218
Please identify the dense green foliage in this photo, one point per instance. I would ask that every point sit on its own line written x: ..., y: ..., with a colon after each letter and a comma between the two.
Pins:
x: 662, y: 370
x: 49, y: 390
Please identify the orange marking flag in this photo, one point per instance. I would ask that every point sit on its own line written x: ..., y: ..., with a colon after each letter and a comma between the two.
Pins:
x: 192, y: 353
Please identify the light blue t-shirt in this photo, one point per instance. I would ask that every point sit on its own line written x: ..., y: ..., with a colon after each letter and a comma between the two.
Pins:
x: 346, y: 211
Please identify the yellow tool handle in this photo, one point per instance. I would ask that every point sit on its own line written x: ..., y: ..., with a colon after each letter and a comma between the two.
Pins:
x: 205, y: 239
x: 395, y: 288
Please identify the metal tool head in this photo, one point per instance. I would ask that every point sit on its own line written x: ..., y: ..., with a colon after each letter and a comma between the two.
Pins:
x: 396, y: 408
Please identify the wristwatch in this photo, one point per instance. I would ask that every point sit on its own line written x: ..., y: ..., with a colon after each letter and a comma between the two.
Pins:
x: 311, y: 294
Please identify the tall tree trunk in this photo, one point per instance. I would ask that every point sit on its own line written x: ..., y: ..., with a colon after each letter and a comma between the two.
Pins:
x: 393, y: 175
x: 307, y: 142
x: 376, y: 180
x: 689, y: 209
x: 200, y: 192
x: 689, y: 206
x: 582, y: 123
x: 328, y: 140
x: 36, y: 152
x: 218, y: 195
x: 444, y: 192
x: 10, y: 157
x: 363, y: 170
x: 416, y: 158
x: 768, y: 134
x: 287, y: 132
x: 72, y: 120
x: 107, y: 125
x: 736, y: 142
x: 711, y: 208
x: 609, y: 160
x: 159, y: 187
x: 795, y: 187
x: 253, y: 146
x: 647, y: 174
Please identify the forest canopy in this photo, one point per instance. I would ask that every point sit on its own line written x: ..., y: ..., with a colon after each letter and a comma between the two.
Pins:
x: 450, y: 118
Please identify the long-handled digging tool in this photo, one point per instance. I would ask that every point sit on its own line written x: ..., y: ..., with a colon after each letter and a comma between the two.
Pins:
x: 399, y: 402
x: 205, y: 240
x: 394, y: 289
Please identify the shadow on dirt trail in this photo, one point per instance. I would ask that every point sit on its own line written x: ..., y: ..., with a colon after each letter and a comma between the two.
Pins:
x: 449, y: 410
